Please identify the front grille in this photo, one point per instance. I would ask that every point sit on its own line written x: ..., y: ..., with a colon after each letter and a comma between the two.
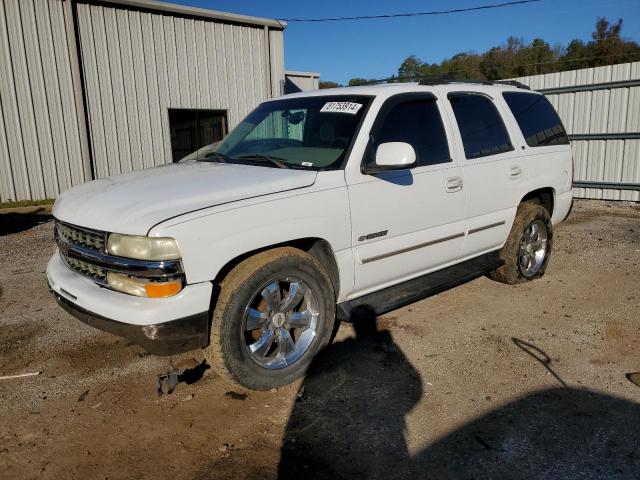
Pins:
x: 70, y: 238
x: 81, y: 236
x: 94, y: 272
x: 83, y: 251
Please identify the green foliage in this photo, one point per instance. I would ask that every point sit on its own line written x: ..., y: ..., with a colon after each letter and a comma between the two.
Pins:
x: 354, y: 82
x: 26, y: 203
x: 517, y: 58
x: 329, y: 84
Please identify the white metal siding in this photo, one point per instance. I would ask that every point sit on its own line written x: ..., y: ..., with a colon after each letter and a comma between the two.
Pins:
x: 41, y: 125
x: 615, y: 110
x: 139, y: 64
x: 276, y: 45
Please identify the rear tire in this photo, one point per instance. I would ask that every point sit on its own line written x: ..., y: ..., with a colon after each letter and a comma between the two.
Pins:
x: 288, y: 297
x: 528, y: 248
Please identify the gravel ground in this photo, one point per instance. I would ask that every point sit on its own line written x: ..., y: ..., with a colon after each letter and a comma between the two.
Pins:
x: 483, y: 381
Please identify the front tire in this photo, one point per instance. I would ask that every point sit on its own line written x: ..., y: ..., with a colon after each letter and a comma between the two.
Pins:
x: 528, y: 248
x: 274, y: 313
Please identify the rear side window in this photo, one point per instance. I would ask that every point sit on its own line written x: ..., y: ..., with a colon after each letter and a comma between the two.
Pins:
x: 481, y: 127
x: 537, y: 119
x: 418, y: 123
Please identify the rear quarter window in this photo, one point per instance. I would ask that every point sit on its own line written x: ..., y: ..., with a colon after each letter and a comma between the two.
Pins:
x: 540, y: 124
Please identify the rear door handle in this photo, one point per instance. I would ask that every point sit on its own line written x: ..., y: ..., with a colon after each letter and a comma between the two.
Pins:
x: 453, y: 184
x: 515, y: 172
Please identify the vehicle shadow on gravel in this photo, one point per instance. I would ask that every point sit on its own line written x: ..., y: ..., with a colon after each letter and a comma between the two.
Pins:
x: 349, y: 422
x: 19, y: 222
x: 349, y: 419
x: 555, y: 433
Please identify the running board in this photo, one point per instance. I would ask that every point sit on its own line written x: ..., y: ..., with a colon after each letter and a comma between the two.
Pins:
x: 416, y: 289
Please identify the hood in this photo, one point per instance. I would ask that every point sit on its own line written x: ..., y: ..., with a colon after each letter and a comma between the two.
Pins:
x: 134, y: 202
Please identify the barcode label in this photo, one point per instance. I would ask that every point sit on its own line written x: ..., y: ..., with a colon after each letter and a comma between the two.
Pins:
x: 341, y: 107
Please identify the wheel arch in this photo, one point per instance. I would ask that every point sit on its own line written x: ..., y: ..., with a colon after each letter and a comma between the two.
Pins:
x: 544, y: 196
x: 318, y: 248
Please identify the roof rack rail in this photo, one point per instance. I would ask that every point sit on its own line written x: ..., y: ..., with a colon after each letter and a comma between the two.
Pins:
x: 513, y: 83
x: 436, y: 80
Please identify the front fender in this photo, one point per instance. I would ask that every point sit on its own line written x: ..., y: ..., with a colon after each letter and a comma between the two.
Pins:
x: 210, y: 241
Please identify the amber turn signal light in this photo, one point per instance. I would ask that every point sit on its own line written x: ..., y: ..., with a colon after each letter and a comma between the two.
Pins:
x: 163, y: 289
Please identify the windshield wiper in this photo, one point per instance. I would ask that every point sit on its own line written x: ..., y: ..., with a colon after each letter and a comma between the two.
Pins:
x: 217, y: 156
x: 262, y: 156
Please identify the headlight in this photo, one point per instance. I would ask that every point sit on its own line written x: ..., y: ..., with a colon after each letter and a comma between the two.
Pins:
x: 141, y: 287
x: 142, y: 248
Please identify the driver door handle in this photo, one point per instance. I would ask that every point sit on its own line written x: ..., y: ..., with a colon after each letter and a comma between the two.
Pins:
x: 515, y: 172
x: 453, y: 184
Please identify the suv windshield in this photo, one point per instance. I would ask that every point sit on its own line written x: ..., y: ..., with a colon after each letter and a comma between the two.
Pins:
x: 306, y: 132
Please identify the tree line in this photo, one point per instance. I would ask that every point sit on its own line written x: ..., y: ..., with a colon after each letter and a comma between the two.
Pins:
x: 518, y: 58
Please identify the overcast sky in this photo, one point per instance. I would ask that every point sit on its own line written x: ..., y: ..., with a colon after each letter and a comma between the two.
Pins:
x: 375, y: 48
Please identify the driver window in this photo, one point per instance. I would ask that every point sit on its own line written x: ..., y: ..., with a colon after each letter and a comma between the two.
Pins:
x: 419, y: 124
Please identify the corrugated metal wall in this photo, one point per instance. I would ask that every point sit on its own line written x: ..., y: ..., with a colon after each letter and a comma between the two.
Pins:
x: 600, y: 111
x: 43, y: 148
x: 276, y: 51
x: 138, y: 64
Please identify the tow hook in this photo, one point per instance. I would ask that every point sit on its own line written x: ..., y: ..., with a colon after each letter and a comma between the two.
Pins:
x: 167, y: 381
x: 188, y: 371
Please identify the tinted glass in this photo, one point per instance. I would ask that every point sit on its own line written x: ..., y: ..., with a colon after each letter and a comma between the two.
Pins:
x: 193, y: 129
x: 419, y: 124
x: 537, y: 119
x: 483, y: 132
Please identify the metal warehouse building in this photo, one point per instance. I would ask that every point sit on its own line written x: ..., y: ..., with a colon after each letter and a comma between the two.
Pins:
x: 91, y: 88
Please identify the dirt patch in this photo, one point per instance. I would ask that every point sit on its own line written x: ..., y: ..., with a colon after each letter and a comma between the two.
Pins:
x: 103, y: 352
x: 16, y: 344
x: 444, y: 391
x: 391, y: 322
x: 256, y: 458
x: 621, y: 342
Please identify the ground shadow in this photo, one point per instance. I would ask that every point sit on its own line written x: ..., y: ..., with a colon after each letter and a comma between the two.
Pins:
x: 349, y: 419
x: 556, y: 433
x: 349, y: 423
x: 19, y: 222
x: 194, y: 374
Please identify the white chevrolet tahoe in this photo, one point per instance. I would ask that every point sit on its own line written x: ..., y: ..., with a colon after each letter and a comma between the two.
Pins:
x: 316, y: 204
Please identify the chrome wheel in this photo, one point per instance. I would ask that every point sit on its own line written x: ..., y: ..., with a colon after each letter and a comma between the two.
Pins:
x: 280, y: 322
x: 533, y: 248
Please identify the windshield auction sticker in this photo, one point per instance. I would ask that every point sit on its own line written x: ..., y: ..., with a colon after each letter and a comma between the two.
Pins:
x: 341, y: 107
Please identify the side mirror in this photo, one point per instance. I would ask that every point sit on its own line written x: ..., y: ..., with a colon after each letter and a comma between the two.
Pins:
x: 393, y: 156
